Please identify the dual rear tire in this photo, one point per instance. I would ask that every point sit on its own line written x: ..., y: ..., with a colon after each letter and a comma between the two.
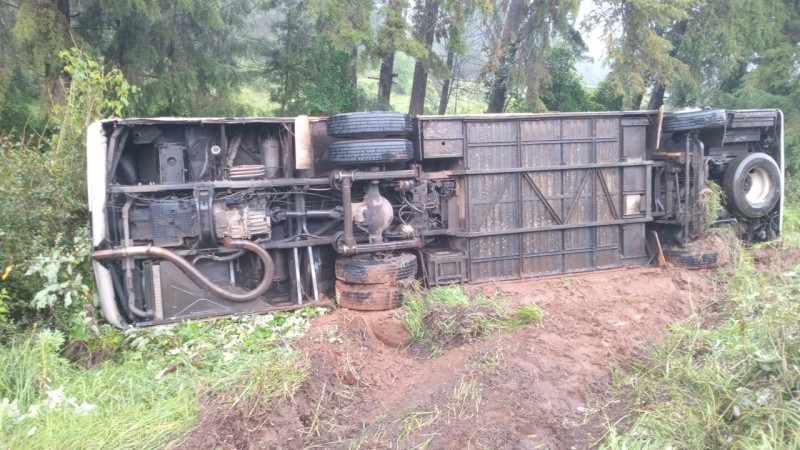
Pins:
x: 371, y: 282
x: 372, y: 138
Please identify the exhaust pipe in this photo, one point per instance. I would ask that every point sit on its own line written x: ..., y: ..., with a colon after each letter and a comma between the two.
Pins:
x: 194, y: 274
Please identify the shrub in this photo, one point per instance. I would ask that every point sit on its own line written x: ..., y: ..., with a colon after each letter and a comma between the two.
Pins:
x: 43, y: 195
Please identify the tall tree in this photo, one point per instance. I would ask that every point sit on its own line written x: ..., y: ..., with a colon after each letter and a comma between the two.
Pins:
x: 721, y: 40
x: 680, y: 48
x: 346, y: 25
x: 521, y: 33
x: 392, y: 37
x: 184, y: 55
x: 33, y: 33
x: 561, y: 88
x: 453, y: 30
x: 639, y: 50
x: 427, y: 14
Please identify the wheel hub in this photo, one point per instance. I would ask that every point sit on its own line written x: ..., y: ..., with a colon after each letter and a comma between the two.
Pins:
x: 757, y: 186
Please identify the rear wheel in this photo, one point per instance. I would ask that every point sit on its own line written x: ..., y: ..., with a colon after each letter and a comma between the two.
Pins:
x: 371, y: 151
x: 375, y: 269
x: 752, y: 184
x: 692, y: 259
x: 368, y: 297
x: 371, y: 281
x: 369, y: 124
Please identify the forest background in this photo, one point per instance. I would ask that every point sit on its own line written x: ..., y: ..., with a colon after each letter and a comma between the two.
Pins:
x: 66, y: 63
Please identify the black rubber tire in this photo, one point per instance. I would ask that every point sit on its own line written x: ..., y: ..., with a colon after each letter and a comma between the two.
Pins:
x: 738, y: 184
x: 687, y: 258
x: 369, y: 124
x: 695, y: 120
x: 368, y: 297
x: 371, y: 151
x: 372, y: 269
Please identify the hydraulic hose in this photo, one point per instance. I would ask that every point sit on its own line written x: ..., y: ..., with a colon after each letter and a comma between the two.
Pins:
x: 194, y: 274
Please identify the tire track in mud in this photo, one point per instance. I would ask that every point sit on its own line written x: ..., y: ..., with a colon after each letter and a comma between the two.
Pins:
x: 537, y: 387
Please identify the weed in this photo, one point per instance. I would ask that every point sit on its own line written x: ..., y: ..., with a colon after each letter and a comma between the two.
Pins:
x: 447, y: 316
x: 414, y: 421
x: 526, y: 315
x: 467, y: 397
x: 730, y: 386
x: 712, y: 199
x: 149, y: 394
x: 488, y: 360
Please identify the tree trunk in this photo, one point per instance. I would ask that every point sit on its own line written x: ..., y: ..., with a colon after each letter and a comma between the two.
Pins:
x: 657, y: 96
x: 444, y: 98
x: 385, y: 80
x: 636, y: 102
x: 497, y: 99
x: 63, y: 8
x: 354, y: 74
x: 58, y: 79
x: 732, y: 83
x: 507, y: 45
x: 426, y: 27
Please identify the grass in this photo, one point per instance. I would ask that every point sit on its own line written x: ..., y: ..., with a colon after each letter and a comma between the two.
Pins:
x: 256, y: 101
x: 416, y: 420
x: 732, y: 384
x: 712, y: 198
x: 446, y: 315
x: 149, y: 393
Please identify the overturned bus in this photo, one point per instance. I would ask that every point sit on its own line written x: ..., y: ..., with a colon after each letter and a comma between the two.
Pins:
x: 194, y: 218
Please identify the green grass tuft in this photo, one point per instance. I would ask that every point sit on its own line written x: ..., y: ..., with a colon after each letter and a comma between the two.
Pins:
x: 712, y: 198
x: 446, y: 315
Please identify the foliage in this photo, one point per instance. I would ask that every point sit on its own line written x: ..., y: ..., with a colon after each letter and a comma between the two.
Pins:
x: 312, y: 73
x: 638, y: 47
x: 32, y: 33
x: 43, y: 193
x: 731, y: 385
x: 147, y: 395
x: 185, y: 56
x: 712, y: 197
x: 561, y: 88
x: 684, y: 49
x: 446, y: 314
x: 63, y: 279
x: 720, y: 40
x: 606, y: 97
x: 522, y: 33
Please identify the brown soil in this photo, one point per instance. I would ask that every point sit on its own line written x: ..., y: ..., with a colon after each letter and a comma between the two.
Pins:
x: 773, y: 258
x: 541, y: 386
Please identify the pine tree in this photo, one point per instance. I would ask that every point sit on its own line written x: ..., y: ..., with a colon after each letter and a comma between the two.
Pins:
x: 521, y: 34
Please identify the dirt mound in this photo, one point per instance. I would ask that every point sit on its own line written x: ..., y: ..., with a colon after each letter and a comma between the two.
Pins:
x: 772, y: 258
x: 705, y: 252
x: 532, y: 388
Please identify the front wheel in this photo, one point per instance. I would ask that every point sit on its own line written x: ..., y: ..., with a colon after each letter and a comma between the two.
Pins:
x: 695, y: 120
x: 752, y: 184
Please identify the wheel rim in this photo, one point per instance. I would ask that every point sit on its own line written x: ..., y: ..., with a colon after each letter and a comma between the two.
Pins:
x: 757, y: 186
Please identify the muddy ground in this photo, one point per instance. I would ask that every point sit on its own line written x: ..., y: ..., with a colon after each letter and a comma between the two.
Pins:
x: 545, y: 386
